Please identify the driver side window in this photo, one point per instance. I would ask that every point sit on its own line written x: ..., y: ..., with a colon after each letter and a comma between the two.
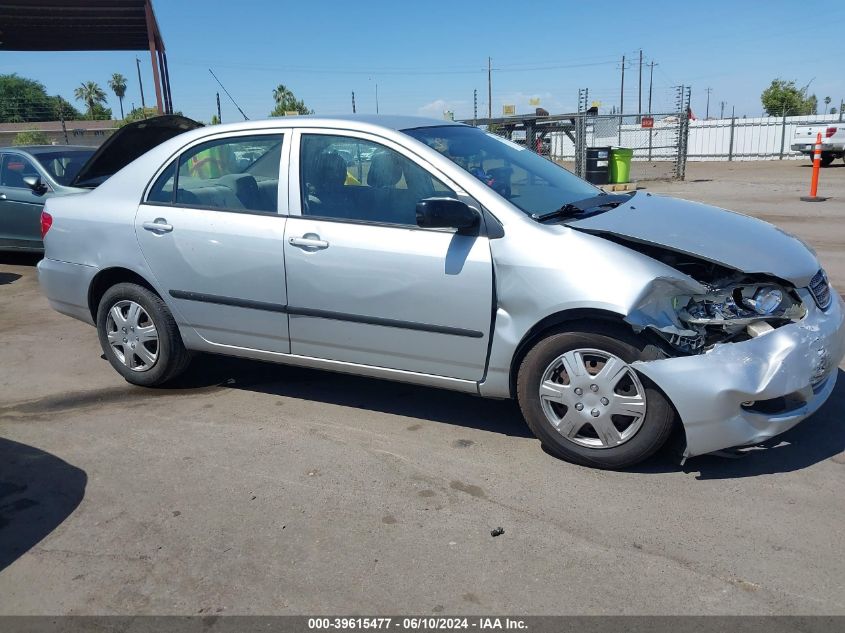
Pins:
x: 356, y: 179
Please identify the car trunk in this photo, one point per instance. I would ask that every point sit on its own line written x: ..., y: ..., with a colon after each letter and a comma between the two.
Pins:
x: 127, y: 144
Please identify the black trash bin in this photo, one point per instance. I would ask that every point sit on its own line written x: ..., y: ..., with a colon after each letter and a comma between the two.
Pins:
x: 598, y: 165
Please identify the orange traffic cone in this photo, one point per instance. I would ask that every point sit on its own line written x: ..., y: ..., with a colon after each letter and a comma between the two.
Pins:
x: 814, y: 181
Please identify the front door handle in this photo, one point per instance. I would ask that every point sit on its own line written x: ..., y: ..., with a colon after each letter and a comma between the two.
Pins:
x: 309, y: 242
x: 159, y: 226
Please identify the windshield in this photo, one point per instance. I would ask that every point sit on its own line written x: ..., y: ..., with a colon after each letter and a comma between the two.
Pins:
x: 534, y: 184
x: 64, y: 165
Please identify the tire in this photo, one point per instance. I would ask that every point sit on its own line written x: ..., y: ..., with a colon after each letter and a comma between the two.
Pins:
x: 827, y: 159
x: 151, y: 362
x: 599, y: 347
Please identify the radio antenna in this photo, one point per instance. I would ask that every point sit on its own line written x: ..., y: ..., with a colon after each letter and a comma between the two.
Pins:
x: 246, y: 118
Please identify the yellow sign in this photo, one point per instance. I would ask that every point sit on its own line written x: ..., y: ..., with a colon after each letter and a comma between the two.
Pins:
x: 595, y: 104
x: 508, y: 110
x: 534, y: 101
x: 291, y: 113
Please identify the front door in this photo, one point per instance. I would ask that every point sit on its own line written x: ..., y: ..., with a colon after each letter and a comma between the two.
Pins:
x: 365, y: 284
x: 212, y: 230
x: 20, y: 206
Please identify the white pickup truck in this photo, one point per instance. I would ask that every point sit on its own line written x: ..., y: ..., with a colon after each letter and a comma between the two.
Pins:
x: 833, y: 141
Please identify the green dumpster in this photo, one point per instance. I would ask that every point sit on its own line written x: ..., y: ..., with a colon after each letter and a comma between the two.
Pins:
x: 620, y: 164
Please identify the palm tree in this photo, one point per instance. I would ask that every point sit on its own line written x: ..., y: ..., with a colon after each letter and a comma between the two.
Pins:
x: 91, y: 94
x: 286, y: 101
x: 117, y: 83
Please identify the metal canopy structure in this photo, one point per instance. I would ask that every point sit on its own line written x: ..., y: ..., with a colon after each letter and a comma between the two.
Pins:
x: 88, y: 25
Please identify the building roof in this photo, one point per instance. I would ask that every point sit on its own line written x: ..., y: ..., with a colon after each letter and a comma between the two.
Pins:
x: 77, y: 25
x: 56, y: 126
x: 35, y: 150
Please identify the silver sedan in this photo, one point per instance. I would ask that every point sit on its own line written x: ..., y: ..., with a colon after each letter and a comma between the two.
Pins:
x: 435, y: 253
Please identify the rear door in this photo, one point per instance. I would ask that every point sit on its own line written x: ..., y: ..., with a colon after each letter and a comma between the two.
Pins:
x: 211, y: 230
x: 366, y: 285
x: 20, y: 206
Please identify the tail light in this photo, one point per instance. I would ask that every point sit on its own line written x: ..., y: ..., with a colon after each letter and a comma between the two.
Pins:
x: 829, y: 132
x: 46, y: 223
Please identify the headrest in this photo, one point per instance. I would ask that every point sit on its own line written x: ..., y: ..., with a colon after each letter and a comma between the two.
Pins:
x: 330, y: 170
x: 385, y: 170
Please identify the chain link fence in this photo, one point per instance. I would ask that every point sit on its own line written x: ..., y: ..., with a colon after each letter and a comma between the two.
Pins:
x: 658, y: 141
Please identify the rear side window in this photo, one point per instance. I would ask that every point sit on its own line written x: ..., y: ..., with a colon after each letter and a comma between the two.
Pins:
x: 235, y: 174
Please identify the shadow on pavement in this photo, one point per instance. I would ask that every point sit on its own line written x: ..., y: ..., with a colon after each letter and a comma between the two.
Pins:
x: 370, y: 394
x: 7, y: 278
x: 38, y: 491
x: 817, y: 439
x: 20, y: 259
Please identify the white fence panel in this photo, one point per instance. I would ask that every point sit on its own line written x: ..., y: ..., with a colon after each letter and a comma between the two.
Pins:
x: 763, y: 138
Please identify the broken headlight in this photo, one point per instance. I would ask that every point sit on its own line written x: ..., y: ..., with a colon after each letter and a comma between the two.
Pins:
x: 737, y: 311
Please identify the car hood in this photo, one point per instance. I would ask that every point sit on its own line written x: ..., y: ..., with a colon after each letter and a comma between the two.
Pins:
x: 712, y: 234
x: 127, y: 144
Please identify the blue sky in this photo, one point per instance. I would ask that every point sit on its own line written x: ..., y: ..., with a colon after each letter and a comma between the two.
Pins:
x: 428, y: 56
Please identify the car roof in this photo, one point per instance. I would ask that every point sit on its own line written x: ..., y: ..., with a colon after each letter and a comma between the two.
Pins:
x: 35, y: 150
x: 361, y: 122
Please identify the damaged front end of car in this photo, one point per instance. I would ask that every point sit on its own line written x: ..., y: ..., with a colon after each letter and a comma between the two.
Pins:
x: 747, y: 355
x: 724, y: 306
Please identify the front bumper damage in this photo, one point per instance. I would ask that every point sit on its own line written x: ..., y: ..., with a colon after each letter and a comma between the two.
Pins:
x: 740, y: 394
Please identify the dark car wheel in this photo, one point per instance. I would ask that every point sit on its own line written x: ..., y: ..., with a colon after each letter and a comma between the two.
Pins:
x: 587, y: 405
x: 827, y: 159
x: 139, y: 336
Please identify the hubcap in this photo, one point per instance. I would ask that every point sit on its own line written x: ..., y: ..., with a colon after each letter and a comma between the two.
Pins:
x: 593, y: 398
x: 132, y: 336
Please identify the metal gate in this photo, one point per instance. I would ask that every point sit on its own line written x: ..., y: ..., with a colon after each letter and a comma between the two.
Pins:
x: 658, y: 140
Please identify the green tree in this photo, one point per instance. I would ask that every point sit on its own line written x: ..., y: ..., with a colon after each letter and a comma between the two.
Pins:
x: 92, y: 95
x: 783, y: 98
x: 286, y: 101
x: 141, y: 113
x: 64, y: 110
x: 23, y: 100
x: 117, y: 83
x: 31, y: 137
x: 215, y: 120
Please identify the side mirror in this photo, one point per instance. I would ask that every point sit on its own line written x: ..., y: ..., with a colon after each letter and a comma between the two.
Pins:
x: 446, y: 213
x: 34, y: 183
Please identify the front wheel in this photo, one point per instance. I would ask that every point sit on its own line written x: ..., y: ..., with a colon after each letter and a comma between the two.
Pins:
x: 587, y: 405
x: 139, y: 336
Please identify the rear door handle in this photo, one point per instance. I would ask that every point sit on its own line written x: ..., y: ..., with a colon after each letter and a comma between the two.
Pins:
x: 309, y: 242
x: 159, y: 226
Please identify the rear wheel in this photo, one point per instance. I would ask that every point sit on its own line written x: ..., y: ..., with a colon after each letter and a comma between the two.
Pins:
x: 139, y: 336
x: 827, y: 159
x: 587, y: 405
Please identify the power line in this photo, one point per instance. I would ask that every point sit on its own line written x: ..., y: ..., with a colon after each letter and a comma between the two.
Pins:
x: 246, y: 118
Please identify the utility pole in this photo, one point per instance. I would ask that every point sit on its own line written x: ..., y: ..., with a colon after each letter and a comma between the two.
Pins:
x: 141, y: 84
x: 353, y: 102
x: 722, y: 112
x: 62, y: 119
x: 489, y: 87
x: 376, y: 98
x: 650, y: 83
x: 219, y: 114
x: 474, y: 106
x: 640, y: 92
x: 622, y: 89
x: 707, y: 109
